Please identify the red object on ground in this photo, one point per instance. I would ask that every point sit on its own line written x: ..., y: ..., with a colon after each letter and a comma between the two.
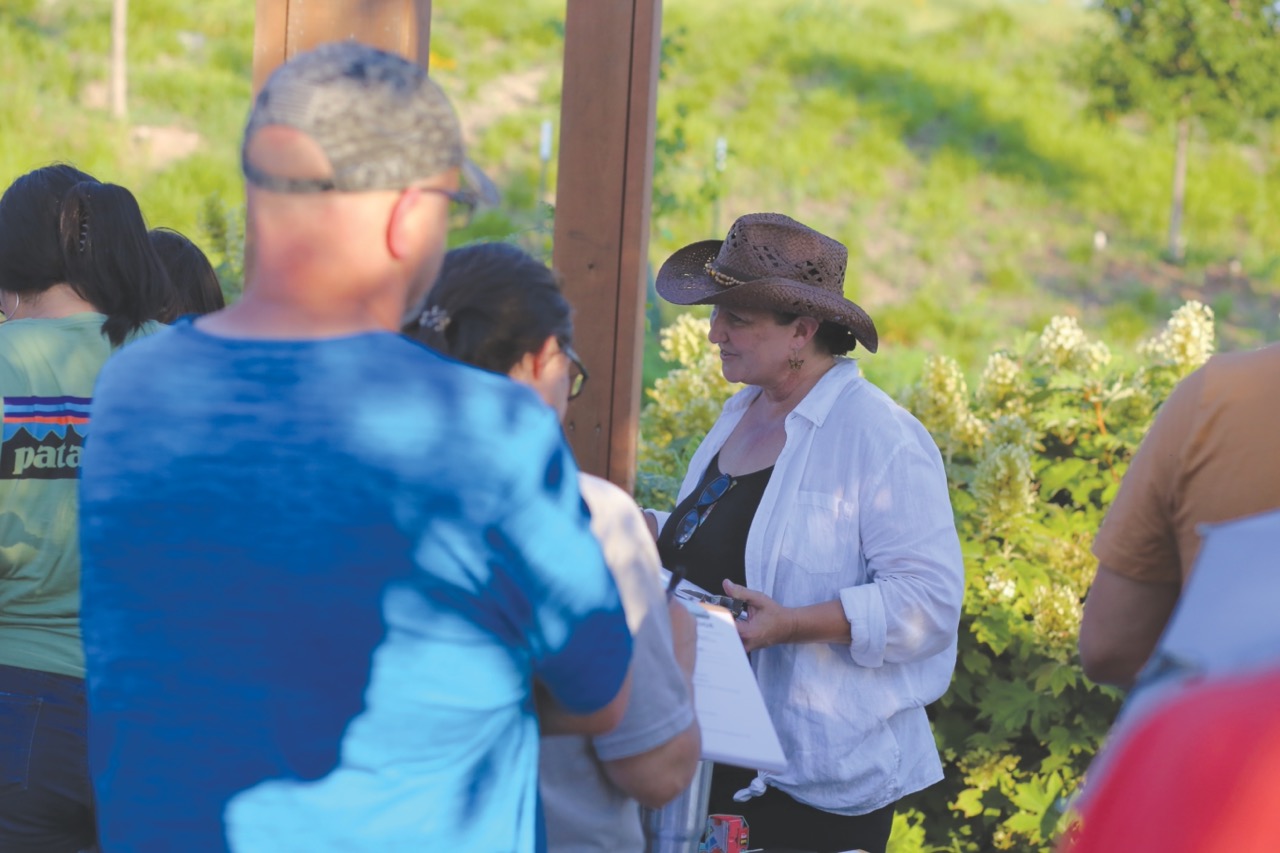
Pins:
x: 726, y: 833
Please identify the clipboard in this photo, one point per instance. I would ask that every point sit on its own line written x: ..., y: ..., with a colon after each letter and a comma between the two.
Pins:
x: 736, y: 727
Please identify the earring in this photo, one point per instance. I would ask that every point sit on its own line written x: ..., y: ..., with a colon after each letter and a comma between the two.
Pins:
x: 17, y: 301
x: 794, y: 361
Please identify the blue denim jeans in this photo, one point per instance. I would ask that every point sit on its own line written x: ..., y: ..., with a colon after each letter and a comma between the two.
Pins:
x: 46, y: 796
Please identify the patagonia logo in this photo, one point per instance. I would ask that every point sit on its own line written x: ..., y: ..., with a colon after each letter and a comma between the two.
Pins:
x: 43, y: 437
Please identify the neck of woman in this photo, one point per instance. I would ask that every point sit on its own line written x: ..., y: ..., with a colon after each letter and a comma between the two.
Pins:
x: 776, y: 401
x: 53, y: 303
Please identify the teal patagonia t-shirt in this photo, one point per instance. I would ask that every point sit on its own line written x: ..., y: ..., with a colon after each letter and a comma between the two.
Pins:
x: 47, y: 372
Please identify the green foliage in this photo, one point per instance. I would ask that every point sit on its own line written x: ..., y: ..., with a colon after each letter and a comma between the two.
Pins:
x: 189, y: 80
x: 223, y: 227
x: 943, y: 142
x: 1207, y: 59
x: 1189, y: 63
x: 948, y: 146
x: 1034, y: 455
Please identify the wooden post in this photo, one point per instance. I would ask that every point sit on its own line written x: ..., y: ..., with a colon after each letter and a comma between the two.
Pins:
x: 285, y: 27
x: 603, y: 194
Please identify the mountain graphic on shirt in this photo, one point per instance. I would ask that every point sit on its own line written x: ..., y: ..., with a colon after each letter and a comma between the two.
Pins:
x: 43, y: 437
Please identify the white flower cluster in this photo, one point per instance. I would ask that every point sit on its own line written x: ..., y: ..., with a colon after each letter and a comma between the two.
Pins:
x: 1011, y: 429
x: 1061, y: 340
x: 1097, y: 356
x: 1001, y: 384
x: 1063, y: 344
x: 1001, y: 587
x: 684, y: 342
x: 1057, y: 610
x: 1002, y: 484
x: 1187, y: 340
x: 941, y: 401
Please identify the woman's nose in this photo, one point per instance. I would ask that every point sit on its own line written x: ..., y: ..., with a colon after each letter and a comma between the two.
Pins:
x: 715, y: 334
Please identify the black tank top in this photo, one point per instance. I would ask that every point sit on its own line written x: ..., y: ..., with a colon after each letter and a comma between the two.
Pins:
x: 717, y: 549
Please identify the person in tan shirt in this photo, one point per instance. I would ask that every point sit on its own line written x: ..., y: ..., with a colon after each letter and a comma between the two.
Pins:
x: 1210, y: 456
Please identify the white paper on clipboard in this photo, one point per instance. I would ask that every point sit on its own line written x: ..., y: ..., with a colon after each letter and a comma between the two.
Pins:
x: 735, y: 724
x: 736, y: 727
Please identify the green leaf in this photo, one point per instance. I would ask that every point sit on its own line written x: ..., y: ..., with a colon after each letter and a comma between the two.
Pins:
x: 969, y: 802
x: 1008, y: 705
x: 1061, y: 475
x: 1055, y: 677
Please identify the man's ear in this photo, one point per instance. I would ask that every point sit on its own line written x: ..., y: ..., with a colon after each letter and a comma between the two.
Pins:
x: 407, y: 223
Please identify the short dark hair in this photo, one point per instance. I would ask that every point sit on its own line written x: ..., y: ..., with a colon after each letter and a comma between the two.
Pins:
x: 831, y: 338
x: 196, y: 289
x: 493, y: 304
x: 31, y: 257
x: 58, y: 224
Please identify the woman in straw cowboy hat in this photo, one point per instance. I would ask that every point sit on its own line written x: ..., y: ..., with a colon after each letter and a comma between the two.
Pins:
x: 823, y: 505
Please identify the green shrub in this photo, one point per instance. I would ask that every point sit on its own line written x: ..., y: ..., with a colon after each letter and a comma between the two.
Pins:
x: 1034, y: 456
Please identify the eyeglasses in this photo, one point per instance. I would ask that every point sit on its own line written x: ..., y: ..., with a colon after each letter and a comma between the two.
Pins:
x: 693, y: 519
x: 462, y: 205
x: 577, y: 371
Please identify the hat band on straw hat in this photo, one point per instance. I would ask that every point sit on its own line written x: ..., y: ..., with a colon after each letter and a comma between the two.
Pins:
x: 722, y: 279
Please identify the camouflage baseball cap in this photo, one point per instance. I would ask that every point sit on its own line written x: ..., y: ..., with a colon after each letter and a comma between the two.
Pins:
x: 381, y: 122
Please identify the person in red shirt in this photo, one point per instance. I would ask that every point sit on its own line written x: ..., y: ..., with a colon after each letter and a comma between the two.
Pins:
x: 1199, y: 775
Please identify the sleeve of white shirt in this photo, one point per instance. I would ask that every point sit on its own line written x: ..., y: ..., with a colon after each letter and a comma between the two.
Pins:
x: 910, y: 609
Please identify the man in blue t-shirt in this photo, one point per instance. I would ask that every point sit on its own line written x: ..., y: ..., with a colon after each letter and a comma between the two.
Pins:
x: 324, y: 568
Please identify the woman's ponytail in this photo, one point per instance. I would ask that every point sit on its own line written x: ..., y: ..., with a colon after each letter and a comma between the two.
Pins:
x: 109, y: 259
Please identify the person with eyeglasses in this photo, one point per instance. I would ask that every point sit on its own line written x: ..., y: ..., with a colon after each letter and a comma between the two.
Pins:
x: 823, y: 505
x: 498, y: 308
x: 324, y: 567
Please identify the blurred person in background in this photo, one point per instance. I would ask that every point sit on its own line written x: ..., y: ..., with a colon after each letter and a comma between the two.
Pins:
x: 1209, y: 457
x: 78, y: 279
x: 500, y: 309
x: 1197, y: 775
x: 196, y: 289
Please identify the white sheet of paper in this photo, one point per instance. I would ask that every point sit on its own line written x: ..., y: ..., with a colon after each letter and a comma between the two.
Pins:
x: 735, y: 724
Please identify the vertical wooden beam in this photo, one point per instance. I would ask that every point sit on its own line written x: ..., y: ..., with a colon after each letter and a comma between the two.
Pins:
x: 286, y: 27
x: 270, y: 27
x: 603, y: 194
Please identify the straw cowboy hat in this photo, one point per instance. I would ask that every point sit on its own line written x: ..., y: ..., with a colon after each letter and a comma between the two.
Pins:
x: 768, y: 262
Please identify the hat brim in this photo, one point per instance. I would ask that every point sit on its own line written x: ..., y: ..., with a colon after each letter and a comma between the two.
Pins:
x: 481, y: 185
x: 683, y: 280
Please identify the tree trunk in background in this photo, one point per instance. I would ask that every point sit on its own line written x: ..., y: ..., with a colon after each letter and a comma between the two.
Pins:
x: 119, y: 81
x: 1179, y: 190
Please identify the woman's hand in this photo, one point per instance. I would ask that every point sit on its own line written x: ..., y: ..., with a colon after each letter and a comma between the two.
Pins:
x: 768, y: 623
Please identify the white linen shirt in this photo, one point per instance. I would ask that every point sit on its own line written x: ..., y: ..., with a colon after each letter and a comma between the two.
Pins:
x: 856, y: 510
